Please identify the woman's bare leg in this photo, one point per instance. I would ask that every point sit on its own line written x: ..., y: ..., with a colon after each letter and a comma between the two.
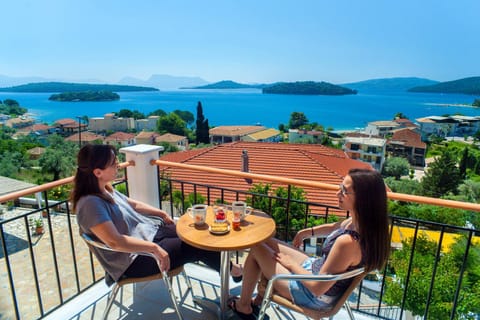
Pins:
x: 261, y: 259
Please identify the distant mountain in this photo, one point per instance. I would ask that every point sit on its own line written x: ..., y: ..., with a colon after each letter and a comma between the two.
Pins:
x: 165, y: 82
x: 72, y: 87
x: 228, y: 84
x: 466, y: 86
x: 307, y: 88
x: 7, y: 81
x: 389, y: 84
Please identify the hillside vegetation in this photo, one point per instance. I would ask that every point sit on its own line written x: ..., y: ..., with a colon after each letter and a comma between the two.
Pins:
x: 73, y: 87
x: 397, y: 84
x: 228, y: 84
x: 466, y: 86
x: 85, y: 96
x: 307, y: 88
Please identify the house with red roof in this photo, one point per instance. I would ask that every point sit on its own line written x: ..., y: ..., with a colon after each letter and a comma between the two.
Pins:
x: 296, y: 161
x: 408, y: 144
x: 180, y: 142
x: 120, y: 139
x: 85, y: 138
x: 146, y: 137
x: 226, y: 134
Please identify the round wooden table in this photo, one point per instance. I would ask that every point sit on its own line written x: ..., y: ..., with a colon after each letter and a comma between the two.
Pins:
x: 256, y: 227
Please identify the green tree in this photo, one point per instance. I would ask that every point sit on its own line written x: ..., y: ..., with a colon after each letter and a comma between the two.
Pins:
x: 407, y: 186
x: 274, y: 201
x: 171, y: 123
x: 399, y: 115
x: 396, y: 167
x: 201, y: 130
x: 297, y: 120
x: 158, y: 112
x: 186, y: 116
x: 441, y: 177
x: 420, y: 274
x: 59, y: 158
x: 125, y: 113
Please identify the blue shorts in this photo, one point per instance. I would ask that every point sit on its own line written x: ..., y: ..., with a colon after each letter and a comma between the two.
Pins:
x: 304, y: 298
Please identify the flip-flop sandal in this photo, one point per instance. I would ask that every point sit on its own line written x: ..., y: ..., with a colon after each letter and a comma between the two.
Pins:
x: 241, y: 315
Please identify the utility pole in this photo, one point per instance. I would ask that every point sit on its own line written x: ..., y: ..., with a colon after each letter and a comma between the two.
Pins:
x: 79, y: 132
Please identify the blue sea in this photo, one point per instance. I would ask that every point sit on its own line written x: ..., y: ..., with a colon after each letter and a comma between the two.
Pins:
x: 250, y: 106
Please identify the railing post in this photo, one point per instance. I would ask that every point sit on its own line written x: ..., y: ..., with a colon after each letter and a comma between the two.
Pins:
x: 142, y: 177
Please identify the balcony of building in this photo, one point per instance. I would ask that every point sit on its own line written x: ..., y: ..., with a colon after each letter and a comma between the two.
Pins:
x: 52, y: 275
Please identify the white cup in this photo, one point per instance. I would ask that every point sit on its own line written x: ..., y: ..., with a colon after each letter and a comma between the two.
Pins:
x: 198, y: 212
x: 240, y: 208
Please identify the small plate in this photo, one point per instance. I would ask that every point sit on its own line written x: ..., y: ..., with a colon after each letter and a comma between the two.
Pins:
x: 219, y: 232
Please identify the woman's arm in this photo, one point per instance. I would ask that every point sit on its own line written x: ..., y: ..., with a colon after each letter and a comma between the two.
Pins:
x: 147, y: 209
x: 108, y: 234
x: 345, y: 252
x: 317, y: 231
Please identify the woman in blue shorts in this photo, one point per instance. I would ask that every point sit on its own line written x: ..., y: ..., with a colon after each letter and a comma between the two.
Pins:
x: 359, y: 241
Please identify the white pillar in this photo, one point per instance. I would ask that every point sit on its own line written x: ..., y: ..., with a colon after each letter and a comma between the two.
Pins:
x: 142, y: 177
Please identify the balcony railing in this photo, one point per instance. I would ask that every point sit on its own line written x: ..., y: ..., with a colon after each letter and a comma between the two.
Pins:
x: 58, y: 267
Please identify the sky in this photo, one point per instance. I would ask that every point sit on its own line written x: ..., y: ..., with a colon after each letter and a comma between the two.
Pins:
x: 248, y: 41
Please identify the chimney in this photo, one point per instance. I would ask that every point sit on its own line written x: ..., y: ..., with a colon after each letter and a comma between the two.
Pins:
x: 245, y: 165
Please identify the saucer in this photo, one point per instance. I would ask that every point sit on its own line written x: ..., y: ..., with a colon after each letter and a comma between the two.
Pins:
x: 219, y: 232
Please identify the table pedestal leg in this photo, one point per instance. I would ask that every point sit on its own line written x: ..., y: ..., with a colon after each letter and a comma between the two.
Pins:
x: 221, y: 309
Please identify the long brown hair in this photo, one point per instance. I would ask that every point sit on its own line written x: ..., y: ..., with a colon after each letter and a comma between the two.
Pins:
x: 372, y: 217
x: 89, y: 158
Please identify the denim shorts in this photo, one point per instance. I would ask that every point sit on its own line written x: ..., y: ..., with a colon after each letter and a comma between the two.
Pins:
x: 304, y: 298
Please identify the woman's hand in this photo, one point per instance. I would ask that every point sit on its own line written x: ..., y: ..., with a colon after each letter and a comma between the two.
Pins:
x: 300, y: 236
x: 167, y: 219
x: 163, y: 258
x: 285, y: 260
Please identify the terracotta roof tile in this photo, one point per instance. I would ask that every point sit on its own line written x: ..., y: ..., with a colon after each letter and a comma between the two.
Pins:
x: 120, y: 136
x: 407, y: 137
x: 297, y: 161
x: 234, y: 130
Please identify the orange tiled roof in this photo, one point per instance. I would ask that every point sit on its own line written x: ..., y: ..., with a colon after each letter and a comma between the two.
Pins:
x: 234, y: 130
x: 408, y: 138
x: 297, y: 161
x: 120, y: 136
x: 147, y: 134
x: 65, y: 121
x: 85, y: 137
x: 169, y: 137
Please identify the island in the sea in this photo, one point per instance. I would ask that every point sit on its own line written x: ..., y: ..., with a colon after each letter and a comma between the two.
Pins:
x: 102, y: 95
x: 469, y: 85
x: 73, y: 87
x: 307, y: 88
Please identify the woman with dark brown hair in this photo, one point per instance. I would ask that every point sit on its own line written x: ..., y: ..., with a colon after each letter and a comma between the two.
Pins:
x: 122, y: 223
x: 359, y: 241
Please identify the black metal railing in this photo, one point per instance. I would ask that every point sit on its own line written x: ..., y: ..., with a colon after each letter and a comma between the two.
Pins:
x: 42, y: 268
x: 58, y: 267
x: 382, y: 303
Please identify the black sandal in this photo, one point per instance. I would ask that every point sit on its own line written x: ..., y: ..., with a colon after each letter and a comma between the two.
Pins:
x: 241, y: 315
x: 239, y: 278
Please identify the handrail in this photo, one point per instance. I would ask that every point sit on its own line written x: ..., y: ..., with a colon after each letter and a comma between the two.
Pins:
x: 48, y: 185
x: 322, y: 185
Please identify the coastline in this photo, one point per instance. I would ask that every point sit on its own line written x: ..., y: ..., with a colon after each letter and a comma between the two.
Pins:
x: 459, y: 105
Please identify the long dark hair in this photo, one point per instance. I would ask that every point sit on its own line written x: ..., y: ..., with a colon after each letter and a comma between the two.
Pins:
x: 372, y: 217
x: 89, y: 158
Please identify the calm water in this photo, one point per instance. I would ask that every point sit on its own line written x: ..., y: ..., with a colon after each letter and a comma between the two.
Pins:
x: 247, y: 107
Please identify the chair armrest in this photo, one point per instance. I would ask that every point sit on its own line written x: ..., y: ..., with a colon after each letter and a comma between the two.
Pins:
x: 312, y: 277
x: 88, y: 239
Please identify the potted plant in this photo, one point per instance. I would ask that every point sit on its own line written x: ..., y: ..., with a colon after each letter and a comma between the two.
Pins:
x: 38, y: 223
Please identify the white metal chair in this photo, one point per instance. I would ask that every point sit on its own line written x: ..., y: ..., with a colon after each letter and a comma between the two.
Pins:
x: 271, y: 296
x: 166, y: 276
